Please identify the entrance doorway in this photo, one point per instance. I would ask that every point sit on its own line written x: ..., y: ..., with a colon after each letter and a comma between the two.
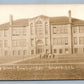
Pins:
x: 39, y: 47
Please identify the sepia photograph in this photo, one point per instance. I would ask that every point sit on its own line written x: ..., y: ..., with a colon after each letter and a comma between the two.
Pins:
x: 42, y: 42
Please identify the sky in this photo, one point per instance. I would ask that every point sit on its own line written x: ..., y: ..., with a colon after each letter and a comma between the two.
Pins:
x: 29, y: 11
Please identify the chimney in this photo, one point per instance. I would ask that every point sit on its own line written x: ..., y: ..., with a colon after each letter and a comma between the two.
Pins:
x: 11, y: 20
x: 70, y: 19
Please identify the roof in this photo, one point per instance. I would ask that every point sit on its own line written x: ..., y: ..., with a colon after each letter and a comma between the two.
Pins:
x: 53, y: 20
x: 59, y: 20
x: 19, y: 22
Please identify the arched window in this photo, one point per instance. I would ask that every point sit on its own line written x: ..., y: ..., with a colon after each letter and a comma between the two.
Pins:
x: 39, y: 29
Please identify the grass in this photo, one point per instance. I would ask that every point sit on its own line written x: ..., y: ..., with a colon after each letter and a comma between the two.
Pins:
x: 44, y: 69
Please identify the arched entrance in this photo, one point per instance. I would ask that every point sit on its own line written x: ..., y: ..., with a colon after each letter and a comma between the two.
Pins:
x: 39, y: 47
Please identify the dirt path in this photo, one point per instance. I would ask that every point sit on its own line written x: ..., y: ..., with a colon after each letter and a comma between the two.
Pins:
x: 13, y: 62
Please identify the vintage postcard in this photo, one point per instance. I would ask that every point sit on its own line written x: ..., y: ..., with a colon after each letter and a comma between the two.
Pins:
x: 41, y: 42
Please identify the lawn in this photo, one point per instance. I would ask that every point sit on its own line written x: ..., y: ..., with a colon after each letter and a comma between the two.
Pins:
x: 58, y: 68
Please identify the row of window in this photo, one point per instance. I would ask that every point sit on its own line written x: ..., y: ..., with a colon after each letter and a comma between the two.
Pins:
x: 81, y: 40
x: 19, y: 43
x: 39, y: 28
x: 46, y: 42
x: 81, y: 29
x: 60, y: 41
x: 5, y: 43
x: 60, y: 30
x: 5, y: 33
x: 61, y: 51
x: 19, y: 31
x: 16, y: 52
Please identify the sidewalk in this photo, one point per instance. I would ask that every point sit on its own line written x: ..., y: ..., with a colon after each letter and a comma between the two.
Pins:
x: 17, y: 60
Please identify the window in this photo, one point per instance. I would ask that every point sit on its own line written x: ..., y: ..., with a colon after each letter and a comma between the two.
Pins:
x: 46, y: 50
x: 75, y: 50
x: 65, y: 30
x: 81, y: 40
x: 60, y: 51
x: 6, y: 43
x: 19, y: 43
x: 46, y: 41
x: 74, y: 29
x: 39, y: 29
x: 66, y: 50
x: 81, y: 29
x: 24, y: 52
x: 31, y: 28
x: 32, y: 51
x: 54, y: 30
x: 5, y: 32
x: 32, y: 42
x: 19, y: 31
x: 66, y: 41
x: 46, y: 28
x: 14, y: 52
x: 83, y: 50
x: 18, y: 52
x: 60, y: 29
x: 55, y: 51
x: 60, y: 41
x: 1, y: 43
x: 75, y: 40
x: 6, y: 52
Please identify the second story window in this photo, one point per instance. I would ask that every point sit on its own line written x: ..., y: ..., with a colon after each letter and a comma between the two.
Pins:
x: 75, y: 29
x: 31, y: 28
x: 46, y: 28
x: 75, y: 40
x: 5, y: 43
x: 1, y: 43
x: 81, y: 29
x: 54, y: 30
x: 46, y: 41
x: 32, y: 42
x: 5, y: 33
x: 81, y: 40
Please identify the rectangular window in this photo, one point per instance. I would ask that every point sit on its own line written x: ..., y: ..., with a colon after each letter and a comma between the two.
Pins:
x: 16, y: 31
x: 81, y: 40
x: 46, y: 41
x: 18, y: 52
x: 6, y: 53
x: 75, y: 40
x: 1, y: 43
x: 54, y: 30
x: 66, y: 41
x: 46, y: 28
x: 66, y: 50
x: 75, y: 29
x: 31, y: 29
x: 81, y: 29
x: 5, y: 43
x: 14, y: 52
x: 65, y: 30
x: 55, y: 51
x: 32, y: 51
x: 25, y: 52
x: 32, y: 42
x: 60, y: 51
x: 5, y: 32
x: 75, y: 50
x: 46, y: 50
